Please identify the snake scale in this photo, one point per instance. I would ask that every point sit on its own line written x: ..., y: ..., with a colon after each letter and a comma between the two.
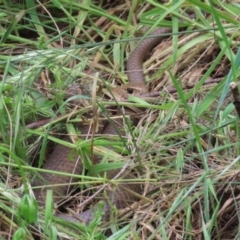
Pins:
x: 64, y: 159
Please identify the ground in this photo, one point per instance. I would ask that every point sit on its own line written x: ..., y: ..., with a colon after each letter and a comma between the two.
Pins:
x: 184, y: 146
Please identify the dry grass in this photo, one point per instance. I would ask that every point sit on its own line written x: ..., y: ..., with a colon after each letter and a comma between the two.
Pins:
x: 185, y: 145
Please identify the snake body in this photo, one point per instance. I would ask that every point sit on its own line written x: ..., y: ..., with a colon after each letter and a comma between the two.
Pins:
x: 64, y: 159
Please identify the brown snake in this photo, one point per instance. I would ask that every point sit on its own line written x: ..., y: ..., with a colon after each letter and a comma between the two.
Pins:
x: 64, y: 159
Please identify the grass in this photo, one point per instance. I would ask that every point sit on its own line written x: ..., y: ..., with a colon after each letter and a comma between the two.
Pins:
x: 185, y: 145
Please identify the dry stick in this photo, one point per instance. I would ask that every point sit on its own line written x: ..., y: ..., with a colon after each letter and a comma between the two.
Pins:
x: 39, y: 123
x: 170, y: 90
x: 236, y: 96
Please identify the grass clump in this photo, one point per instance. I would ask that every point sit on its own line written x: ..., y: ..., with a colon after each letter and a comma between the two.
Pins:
x: 185, y: 145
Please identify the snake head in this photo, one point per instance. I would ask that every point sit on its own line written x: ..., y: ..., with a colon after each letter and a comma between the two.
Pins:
x: 121, y: 93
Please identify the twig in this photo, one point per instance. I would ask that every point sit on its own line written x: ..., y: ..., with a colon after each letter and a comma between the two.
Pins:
x: 170, y: 90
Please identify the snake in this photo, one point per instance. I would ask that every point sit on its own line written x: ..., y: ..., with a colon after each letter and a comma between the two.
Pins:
x: 66, y: 160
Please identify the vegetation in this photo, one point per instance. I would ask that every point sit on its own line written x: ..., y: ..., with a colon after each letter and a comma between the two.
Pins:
x: 185, y: 145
